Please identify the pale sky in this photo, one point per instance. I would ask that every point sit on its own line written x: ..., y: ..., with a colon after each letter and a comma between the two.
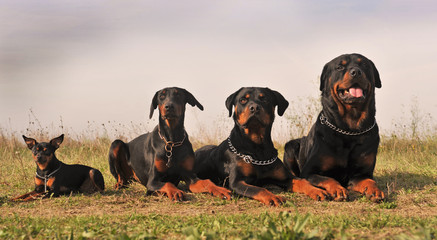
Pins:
x: 100, y: 61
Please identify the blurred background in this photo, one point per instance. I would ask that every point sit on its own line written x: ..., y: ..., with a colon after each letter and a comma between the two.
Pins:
x: 82, y: 66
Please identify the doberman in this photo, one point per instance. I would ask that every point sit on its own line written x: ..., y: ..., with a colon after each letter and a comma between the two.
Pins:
x: 54, y: 178
x: 247, y: 159
x: 340, y: 149
x: 159, y: 160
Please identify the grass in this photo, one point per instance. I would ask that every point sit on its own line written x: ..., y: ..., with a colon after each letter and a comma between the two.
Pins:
x: 406, y: 170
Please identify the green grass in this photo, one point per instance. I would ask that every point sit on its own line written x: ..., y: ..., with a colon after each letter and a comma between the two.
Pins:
x: 406, y: 171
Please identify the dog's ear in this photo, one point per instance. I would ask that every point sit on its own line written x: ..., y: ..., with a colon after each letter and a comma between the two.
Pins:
x: 191, y: 99
x: 280, y: 101
x: 230, y: 101
x: 154, y: 104
x: 376, y: 75
x: 324, y: 78
x: 30, y: 142
x: 56, y: 142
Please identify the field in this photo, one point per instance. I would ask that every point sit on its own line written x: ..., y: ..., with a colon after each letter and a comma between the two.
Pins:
x: 406, y: 171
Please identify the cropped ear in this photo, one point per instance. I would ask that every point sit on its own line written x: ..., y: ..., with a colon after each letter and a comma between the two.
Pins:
x: 281, y: 102
x: 30, y: 142
x: 326, y: 72
x: 56, y: 142
x: 230, y: 101
x: 376, y: 75
x: 154, y: 104
x: 191, y: 99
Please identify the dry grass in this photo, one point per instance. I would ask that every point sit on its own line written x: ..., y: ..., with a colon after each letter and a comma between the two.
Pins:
x: 406, y: 170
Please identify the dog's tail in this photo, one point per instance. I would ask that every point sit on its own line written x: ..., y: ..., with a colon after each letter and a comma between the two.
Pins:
x: 291, y: 154
x: 118, y: 163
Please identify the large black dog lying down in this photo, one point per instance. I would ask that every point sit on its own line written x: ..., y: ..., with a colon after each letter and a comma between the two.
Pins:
x: 247, y: 160
x: 162, y: 158
x: 340, y: 149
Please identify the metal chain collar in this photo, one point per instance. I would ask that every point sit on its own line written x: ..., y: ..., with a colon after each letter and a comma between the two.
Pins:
x: 324, y: 121
x: 248, y: 158
x: 47, y: 177
x: 169, y: 145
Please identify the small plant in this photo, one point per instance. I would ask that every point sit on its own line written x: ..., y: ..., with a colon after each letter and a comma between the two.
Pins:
x: 387, y: 205
x: 288, y: 227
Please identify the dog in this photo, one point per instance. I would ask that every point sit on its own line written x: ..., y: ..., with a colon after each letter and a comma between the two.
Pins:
x: 54, y: 178
x: 159, y: 160
x: 247, y: 159
x: 340, y: 150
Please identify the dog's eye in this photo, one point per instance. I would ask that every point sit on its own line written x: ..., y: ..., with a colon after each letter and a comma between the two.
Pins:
x: 262, y: 98
x: 340, y: 68
x: 243, y: 100
x: 162, y: 96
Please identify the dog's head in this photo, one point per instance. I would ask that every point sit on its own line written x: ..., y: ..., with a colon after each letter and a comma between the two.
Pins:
x: 171, y: 104
x: 44, y: 152
x: 254, y: 110
x: 350, y: 81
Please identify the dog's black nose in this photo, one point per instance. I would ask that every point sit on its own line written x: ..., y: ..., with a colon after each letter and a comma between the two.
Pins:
x: 355, y: 72
x: 168, y: 106
x: 254, y: 108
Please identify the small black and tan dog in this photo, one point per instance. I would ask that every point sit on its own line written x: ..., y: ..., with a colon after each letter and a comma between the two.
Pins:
x: 159, y: 160
x: 54, y: 178
x: 340, y: 149
x: 248, y: 160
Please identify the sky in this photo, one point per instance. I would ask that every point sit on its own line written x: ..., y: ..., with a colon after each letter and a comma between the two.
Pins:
x: 80, y: 63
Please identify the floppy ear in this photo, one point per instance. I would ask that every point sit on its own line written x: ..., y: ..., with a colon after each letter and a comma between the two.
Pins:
x: 191, y: 99
x: 281, y: 102
x: 325, y: 76
x: 230, y: 101
x: 30, y: 142
x: 154, y: 104
x: 376, y: 76
x: 56, y: 142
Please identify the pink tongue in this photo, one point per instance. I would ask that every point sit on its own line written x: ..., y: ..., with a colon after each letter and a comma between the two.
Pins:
x: 356, y: 92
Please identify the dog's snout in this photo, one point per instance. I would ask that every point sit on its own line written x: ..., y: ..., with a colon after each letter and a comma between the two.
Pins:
x: 168, y: 106
x: 254, y: 108
x: 355, y: 72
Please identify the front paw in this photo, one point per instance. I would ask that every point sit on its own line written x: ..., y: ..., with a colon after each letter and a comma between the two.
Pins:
x: 368, y: 188
x: 176, y: 195
x: 338, y: 193
x: 221, y: 192
x: 269, y: 198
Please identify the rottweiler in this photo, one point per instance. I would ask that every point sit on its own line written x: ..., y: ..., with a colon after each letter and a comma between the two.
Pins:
x: 247, y: 160
x: 340, y: 150
x: 54, y: 178
x: 159, y: 160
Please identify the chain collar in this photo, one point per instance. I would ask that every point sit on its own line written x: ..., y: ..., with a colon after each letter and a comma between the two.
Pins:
x: 324, y: 121
x: 47, y: 177
x: 248, y: 158
x: 169, y: 145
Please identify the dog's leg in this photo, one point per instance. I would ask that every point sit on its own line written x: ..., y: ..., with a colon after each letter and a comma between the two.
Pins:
x: 206, y: 186
x: 118, y: 164
x: 93, y: 183
x: 291, y: 153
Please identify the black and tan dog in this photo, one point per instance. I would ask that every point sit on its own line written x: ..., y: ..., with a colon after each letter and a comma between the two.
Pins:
x: 247, y: 160
x: 54, y: 178
x: 162, y: 158
x: 340, y: 149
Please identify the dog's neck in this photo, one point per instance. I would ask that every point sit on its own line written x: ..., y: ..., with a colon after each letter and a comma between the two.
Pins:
x: 51, y: 166
x: 244, y: 143
x: 172, y: 130
x: 257, y: 137
x: 348, y: 117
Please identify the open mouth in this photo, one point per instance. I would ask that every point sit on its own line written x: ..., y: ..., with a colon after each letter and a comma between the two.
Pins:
x: 352, y: 95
